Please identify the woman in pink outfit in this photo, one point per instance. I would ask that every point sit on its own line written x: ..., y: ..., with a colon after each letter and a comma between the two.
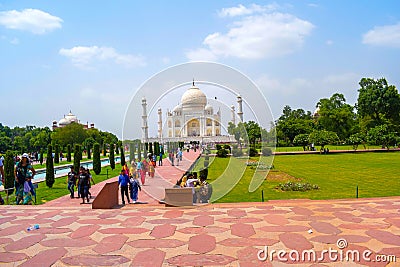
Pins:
x: 143, y: 171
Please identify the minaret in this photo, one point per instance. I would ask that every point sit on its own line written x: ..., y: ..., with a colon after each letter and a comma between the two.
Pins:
x: 160, y: 123
x: 240, y: 110
x: 145, y: 130
x: 233, y: 115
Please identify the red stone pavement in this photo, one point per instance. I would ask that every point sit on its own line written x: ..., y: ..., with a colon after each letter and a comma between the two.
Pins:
x: 212, y: 235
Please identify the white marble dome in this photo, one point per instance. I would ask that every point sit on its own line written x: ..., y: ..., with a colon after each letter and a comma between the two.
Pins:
x: 63, y: 121
x: 209, y: 108
x: 178, y: 108
x: 193, y: 97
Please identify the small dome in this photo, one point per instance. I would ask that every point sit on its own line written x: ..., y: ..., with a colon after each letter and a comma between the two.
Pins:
x: 64, y: 121
x: 194, y: 97
x: 208, y: 107
x: 178, y: 108
x: 71, y: 117
x: 316, y: 112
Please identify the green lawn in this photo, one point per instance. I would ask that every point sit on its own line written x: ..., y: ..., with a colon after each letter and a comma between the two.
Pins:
x: 59, y: 188
x: 337, y: 175
x: 331, y: 147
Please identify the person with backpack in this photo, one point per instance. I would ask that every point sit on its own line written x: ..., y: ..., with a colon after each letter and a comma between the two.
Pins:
x: 24, y: 173
x: 123, y: 181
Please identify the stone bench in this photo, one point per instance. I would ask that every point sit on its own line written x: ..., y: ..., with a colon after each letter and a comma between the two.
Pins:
x: 178, y: 197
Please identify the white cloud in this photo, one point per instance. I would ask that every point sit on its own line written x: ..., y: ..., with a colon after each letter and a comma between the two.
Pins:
x: 33, y: 20
x: 387, y: 36
x: 256, y: 36
x: 241, y: 10
x: 83, y: 56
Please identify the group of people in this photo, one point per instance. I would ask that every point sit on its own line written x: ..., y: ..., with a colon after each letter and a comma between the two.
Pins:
x: 201, y: 189
x: 135, y: 177
x: 83, y: 180
x: 177, y: 155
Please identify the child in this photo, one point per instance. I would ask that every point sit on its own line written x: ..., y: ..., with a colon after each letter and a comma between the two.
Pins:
x: 135, y: 186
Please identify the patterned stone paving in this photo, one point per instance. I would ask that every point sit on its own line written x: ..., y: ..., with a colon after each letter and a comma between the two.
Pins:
x: 151, y: 235
x: 213, y: 235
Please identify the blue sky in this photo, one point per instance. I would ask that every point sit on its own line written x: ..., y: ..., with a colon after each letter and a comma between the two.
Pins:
x: 91, y: 57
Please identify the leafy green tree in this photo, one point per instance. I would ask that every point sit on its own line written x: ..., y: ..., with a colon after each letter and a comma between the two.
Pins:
x: 69, y: 158
x: 356, y: 139
x: 9, y: 172
x: 382, y: 135
x: 5, y: 143
x: 77, y: 157
x: 301, y: 140
x: 49, y: 167
x: 336, y: 116
x: 379, y: 101
x: 323, y: 138
x: 41, y: 140
x: 89, y: 142
x: 292, y: 123
x: 96, y: 158
x: 56, y: 153
x: 73, y: 133
x: 253, y: 131
x: 112, y: 158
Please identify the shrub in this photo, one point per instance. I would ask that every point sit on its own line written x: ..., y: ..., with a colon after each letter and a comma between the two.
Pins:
x: 252, y: 152
x: 204, y: 172
x: 96, y: 158
x: 222, y: 153
x: 9, y: 172
x: 266, y: 151
x: 228, y: 147
x: 49, y: 167
x: 206, y: 163
x: 290, y: 186
x: 237, y: 152
x: 218, y: 146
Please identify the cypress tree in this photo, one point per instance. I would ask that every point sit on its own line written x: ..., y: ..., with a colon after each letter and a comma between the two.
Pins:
x: 122, y: 157
x: 117, y: 149
x: 104, y: 149
x: 151, y: 148
x: 162, y: 150
x: 49, y: 167
x: 41, y: 156
x: 56, y: 153
x: 9, y: 172
x: 77, y: 157
x: 96, y: 158
x: 156, y: 148
x: 139, y: 152
x: 89, y: 154
x: 112, y: 158
x: 145, y: 148
x: 132, y: 151
x: 69, y: 158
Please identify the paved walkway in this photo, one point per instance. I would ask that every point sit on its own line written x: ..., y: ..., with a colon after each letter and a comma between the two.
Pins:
x: 213, y: 235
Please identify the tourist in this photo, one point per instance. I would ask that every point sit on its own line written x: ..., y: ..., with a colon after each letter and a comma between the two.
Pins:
x: 203, y: 191
x: 171, y: 157
x: 180, y: 154
x: 123, y: 181
x: 138, y: 169
x: 22, y: 175
x: 134, y: 186
x: 84, y: 183
x: 151, y: 170
x: 125, y: 169
x: 160, y: 158
x: 143, y: 171
x: 91, y: 181
x: 71, y: 180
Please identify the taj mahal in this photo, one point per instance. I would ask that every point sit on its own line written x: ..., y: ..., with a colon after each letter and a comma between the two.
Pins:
x: 193, y: 119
